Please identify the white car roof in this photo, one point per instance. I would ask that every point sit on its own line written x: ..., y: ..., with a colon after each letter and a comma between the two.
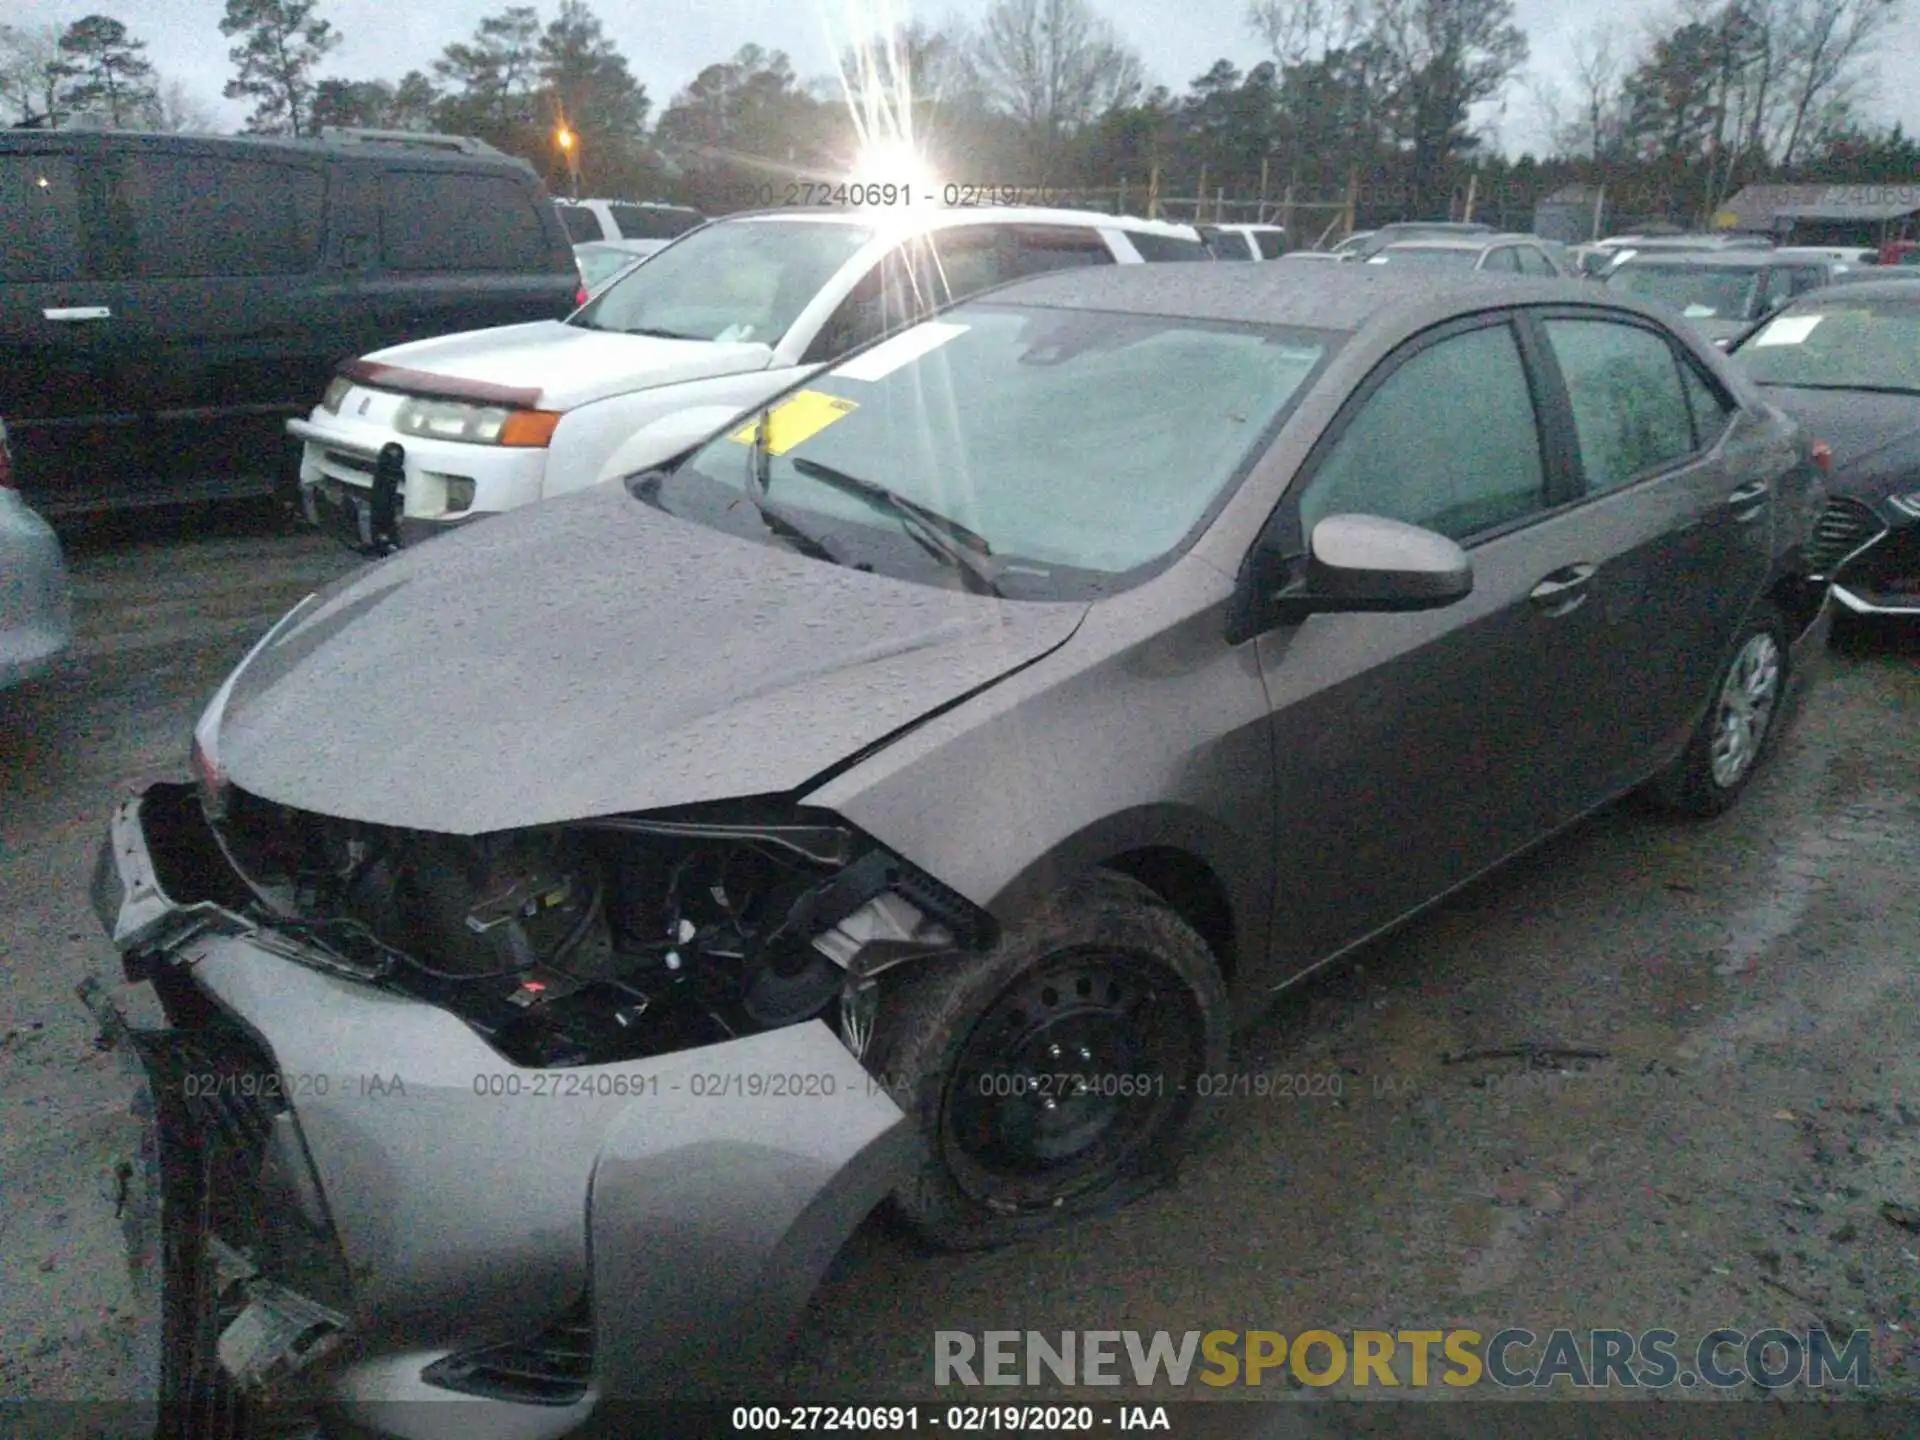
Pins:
x: 943, y: 218
x: 1246, y: 227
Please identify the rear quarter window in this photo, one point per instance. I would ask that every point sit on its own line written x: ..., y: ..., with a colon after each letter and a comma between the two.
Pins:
x: 582, y: 224
x: 454, y: 220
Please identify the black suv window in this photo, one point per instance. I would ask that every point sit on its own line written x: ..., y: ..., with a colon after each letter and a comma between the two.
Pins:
x: 191, y: 215
x: 1040, y: 248
x: 653, y: 222
x: 1157, y: 248
x: 1448, y: 440
x: 450, y: 220
x: 1630, y: 410
x: 1272, y: 243
x: 39, y: 218
x: 582, y: 224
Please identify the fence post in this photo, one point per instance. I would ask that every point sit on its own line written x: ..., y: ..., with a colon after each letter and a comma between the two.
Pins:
x: 1260, y: 214
x: 1200, y: 197
x: 1220, y: 205
x: 1120, y: 199
x: 1286, y: 214
x: 1153, y: 192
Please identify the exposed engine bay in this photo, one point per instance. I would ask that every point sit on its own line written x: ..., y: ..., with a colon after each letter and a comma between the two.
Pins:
x: 601, y: 941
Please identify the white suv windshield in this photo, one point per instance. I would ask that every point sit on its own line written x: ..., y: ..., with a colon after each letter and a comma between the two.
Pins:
x: 746, y: 281
x: 1087, y: 443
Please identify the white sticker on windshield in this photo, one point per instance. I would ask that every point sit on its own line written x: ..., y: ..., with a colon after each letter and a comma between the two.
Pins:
x: 889, y: 355
x: 1788, y: 330
x: 1699, y: 312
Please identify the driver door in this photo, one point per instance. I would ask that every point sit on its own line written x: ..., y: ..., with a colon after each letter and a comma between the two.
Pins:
x: 1413, y: 751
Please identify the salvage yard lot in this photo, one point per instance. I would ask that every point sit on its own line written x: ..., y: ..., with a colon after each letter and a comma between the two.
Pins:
x: 1738, y: 1158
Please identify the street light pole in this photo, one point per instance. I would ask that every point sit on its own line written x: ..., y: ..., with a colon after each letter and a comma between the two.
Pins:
x: 569, y: 144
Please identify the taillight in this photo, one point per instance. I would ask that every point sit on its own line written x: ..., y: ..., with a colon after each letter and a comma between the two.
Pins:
x: 580, y: 297
x: 1823, y: 456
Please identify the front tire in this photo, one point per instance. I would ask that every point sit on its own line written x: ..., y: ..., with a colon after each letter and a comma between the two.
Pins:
x: 1054, y: 1076
x: 1737, y: 731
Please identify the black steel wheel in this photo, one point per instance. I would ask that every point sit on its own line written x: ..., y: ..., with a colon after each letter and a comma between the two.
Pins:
x: 1055, y: 1075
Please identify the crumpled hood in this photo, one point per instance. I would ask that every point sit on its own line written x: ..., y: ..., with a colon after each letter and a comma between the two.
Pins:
x: 591, y: 656
x: 569, y: 364
x: 1875, y: 438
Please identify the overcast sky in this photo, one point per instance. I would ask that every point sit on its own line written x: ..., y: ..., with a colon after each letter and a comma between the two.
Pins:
x: 668, y: 41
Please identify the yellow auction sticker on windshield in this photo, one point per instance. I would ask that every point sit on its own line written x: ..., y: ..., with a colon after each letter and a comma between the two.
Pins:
x: 799, y: 417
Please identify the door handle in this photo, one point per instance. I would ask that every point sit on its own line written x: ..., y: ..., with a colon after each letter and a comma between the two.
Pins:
x: 1750, y: 500
x: 77, y: 312
x: 1564, y: 590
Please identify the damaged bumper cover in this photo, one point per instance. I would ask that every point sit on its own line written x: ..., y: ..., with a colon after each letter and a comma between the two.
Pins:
x: 344, y: 1199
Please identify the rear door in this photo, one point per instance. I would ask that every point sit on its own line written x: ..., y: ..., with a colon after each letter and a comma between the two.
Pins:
x: 1678, y: 507
x: 1415, y: 750
x: 75, y: 428
x: 225, y: 323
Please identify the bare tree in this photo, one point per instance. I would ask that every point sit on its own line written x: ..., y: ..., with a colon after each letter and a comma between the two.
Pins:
x: 1298, y: 32
x: 1054, y: 66
x: 178, y: 110
x: 1828, y: 40
x: 1597, y: 73
x: 29, y: 81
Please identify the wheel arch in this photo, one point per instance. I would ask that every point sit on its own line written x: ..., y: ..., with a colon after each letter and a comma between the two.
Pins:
x: 1209, y: 877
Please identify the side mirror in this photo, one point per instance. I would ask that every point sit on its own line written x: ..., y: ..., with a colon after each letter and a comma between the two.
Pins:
x: 1367, y: 563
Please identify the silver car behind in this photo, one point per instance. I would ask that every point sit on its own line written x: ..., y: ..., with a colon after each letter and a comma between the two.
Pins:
x: 36, y: 603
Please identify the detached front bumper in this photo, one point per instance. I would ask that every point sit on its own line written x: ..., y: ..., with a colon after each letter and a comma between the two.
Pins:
x: 346, y: 1202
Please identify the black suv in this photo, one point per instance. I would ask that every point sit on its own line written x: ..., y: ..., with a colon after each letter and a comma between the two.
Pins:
x: 167, y: 301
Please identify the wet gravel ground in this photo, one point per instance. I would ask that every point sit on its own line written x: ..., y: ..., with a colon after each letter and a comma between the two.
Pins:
x: 1746, y: 1154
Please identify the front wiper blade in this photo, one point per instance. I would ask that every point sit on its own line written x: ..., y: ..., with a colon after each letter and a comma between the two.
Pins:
x: 658, y: 333
x: 759, y: 459
x: 945, y: 537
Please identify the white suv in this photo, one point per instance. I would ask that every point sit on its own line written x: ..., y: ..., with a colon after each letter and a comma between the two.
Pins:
x: 411, y: 440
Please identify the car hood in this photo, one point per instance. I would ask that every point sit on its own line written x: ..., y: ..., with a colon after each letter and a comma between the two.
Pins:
x: 571, y: 365
x: 592, y: 656
x: 1875, y: 438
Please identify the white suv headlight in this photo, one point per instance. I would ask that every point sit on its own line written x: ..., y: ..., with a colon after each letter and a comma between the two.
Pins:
x: 336, y: 395
x: 476, y: 424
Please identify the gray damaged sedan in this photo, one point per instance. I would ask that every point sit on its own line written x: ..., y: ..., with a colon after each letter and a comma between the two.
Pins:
x: 574, y: 931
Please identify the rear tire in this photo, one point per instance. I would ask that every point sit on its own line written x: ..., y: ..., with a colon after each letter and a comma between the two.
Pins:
x: 1025, y: 1068
x: 1736, y: 733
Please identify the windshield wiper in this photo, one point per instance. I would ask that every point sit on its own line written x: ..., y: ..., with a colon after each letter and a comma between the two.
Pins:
x: 943, y: 537
x: 1863, y: 389
x: 758, y: 461
x: 657, y: 333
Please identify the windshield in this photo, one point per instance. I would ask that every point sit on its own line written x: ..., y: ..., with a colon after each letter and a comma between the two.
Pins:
x: 747, y: 280
x: 599, y: 265
x: 1836, y: 345
x: 1451, y: 257
x: 1078, y: 446
x: 1699, y: 292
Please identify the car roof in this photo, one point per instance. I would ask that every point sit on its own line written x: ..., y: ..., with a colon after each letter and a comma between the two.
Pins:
x: 1878, y: 287
x: 1464, y: 242
x: 1701, y: 259
x: 944, y: 218
x: 1344, y: 298
x: 265, y: 146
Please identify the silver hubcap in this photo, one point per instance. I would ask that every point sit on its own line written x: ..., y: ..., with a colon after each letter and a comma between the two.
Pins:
x: 1745, y: 708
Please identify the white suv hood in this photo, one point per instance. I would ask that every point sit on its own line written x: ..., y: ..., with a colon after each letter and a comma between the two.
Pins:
x: 568, y: 364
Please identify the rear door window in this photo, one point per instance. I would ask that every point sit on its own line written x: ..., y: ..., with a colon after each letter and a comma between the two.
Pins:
x: 653, y: 222
x: 1505, y: 260
x: 204, y: 216
x: 583, y: 226
x: 450, y: 220
x: 1631, y: 415
x: 1157, y: 248
x: 1535, y: 262
x: 39, y: 219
